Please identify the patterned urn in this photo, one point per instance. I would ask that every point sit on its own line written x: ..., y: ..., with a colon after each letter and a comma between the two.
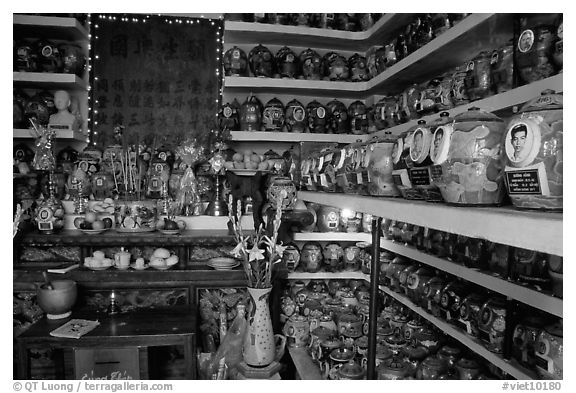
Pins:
x: 295, y: 117
x: 273, y: 115
x: 251, y: 114
x: 533, y: 150
x: 311, y: 64
x: 287, y: 64
x: 235, y: 62
x: 261, y: 62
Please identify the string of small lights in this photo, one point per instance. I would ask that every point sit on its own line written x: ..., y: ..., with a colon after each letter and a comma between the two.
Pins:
x: 94, y: 26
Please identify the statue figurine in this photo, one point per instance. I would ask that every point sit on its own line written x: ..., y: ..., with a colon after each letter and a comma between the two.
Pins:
x: 63, y: 119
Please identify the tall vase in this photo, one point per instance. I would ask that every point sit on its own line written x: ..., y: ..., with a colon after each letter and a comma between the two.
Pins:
x: 259, y: 348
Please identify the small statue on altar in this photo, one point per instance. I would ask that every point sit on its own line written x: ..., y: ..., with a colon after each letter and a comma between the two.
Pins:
x: 63, y: 119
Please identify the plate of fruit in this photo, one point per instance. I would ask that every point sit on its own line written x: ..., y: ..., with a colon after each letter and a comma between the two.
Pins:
x: 98, y: 261
x: 92, y: 224
x: 169, y: 226
x: 247, y: 164
x: 162, y: 259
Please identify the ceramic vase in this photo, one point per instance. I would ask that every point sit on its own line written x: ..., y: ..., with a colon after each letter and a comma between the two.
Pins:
x: 259, y: 349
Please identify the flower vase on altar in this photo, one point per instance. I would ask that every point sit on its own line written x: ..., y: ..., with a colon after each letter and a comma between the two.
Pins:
x: 259, y: 348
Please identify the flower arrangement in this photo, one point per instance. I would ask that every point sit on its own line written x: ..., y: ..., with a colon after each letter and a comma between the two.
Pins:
x: 258, y: 252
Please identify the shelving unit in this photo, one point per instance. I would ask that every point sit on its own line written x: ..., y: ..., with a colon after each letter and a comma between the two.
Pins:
x: 355, y: 275
x: 533, y: 298
x: 47, y: 80
x: 540, y: 231
x: 305, y: 366
x: 24, y: 133
x: 49, y: 26
x: 494, y: 103
x: 510, y: 367
x: 266, y: 34
x: 264, y: 136
x: 333, y: 237
x: 57, y: 29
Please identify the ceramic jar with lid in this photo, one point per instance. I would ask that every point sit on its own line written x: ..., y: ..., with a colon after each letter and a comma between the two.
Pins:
x: 351, y: 258
x: 350, y: 220
x: 403, y: 278
x: 273, y: 115
x: 559, y: 47
x: 415, y: 284
x: 535, y: 47
x: 228, y: 117
x: 48, y: 57
x: 351, y: 371
x: 401, y: 164
x: 414, y: 354
x: 396, y: 343
x: 524, y: 338
x: 73, y: 60
x: 297, y: 331
x: 432, y: 294
x: 333, y: 254
x: 311, y: 64
x: 393, y: 369
x: 335, y: 67
x: 502, y: 68
x: 472, y: 169
x: 408, y: 102
x: 396, y: 267
x: 251, y: 114
x: 291, y: 257
x: 281, y: 190
x: 419, y: 174
x: 433, y: 367
x: 478, y: 81
x: 235, y: 62
x: 533, y: 150
x: 468, y: 369
x: 295, y: 117
x: 358, y: 68
x: 556, y: 270
x: 317, y: 117
x: 317, y: 334
x: 325, y: 348
x: 470, y: 311
x: 358, y: 118
x: 428, y: 338
x: 261, y: 62
x: 530, y: 268
x: 337, y: 358
x: 328, y: 219
x: 550, y: 352
x: 311, y: 257
x: 450, y: 353
x: 451, y: 299
x: 459, y: 94
x: 338, y: 117
x: 286, y: 63
x: 492, y: 324
x: 410, y: 328
x: 350, y: 325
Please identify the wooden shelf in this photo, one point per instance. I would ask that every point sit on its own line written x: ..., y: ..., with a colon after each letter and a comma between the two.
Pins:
x: 510, y: 367
x: 33, y: 26
x: 454, y: 47
x: 290, y: 137
x: 24, y: 133
x: 328, y: 276
x: 47, y: 80
x: 493, y: 103
x: 540, y: 231
x: 525, y: 295
x: 316, y: 88
x: 333, y: 237
x: 272, y: 34
x: 306, y: 368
